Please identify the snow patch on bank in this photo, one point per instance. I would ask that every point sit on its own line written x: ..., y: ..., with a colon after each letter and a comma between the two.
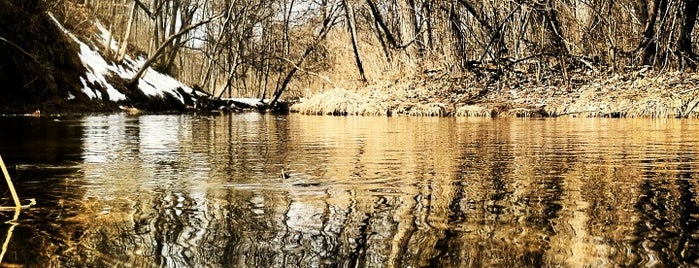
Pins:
x: 97, y: 68
x: 252, y: 102
x: 152, y: 83
x: 104, y: 35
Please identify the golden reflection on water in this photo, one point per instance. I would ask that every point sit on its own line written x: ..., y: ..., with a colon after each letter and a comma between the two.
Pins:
x: 182, y: 191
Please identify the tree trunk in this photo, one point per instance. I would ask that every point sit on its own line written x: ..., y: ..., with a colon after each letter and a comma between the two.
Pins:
x: 384, y: 47
x: 559, y: 41
x: 133, y: 83
x: 460, y: 43
x: 648, y: 44
x: 144, y: 8
x: 478, y: 16
x: 382, y: 24
x: 428, y: 9
x: 549, y: 17
x: 349, y: 14
x: 213, y: 59
x: 685, y: 42
x: 266, y: 76
x: 328, y: 23
x: 287, y: 20
x: 289, y: 76
x: 408, y: 27
x: 125, y: 40
x: 155, y: 39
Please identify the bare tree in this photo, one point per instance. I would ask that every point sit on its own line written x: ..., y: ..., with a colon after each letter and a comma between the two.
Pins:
x: 263, y: 48
x: 349, y: 15
x: 330, y: 16
x: 133, y: 82
x: 688, y: 57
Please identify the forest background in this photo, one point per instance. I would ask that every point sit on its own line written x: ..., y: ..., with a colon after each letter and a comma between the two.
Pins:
x: 423, y: 57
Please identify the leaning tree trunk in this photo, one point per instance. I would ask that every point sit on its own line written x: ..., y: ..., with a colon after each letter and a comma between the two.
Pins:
x: 328, y: 23
x: 133, y: 82
x: 349, y: 14
x: 382, y: 24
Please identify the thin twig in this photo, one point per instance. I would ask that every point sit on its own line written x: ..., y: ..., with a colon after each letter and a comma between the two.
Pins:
x: 690, y: 110
x: 13, y: 224
x: 326, y: 78
x: 688, y: 90
x: 10, y: 185
x: 20, y: 49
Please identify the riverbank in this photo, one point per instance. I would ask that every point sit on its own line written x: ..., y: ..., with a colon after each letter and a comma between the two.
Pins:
x: 64, y: 63
x: 638, y: 92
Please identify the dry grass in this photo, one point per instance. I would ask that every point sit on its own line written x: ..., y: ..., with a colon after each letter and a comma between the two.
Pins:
x: 338, y: 102
x: 519, y: 112
x: 636, y: 94
x: 428, y: 109
x: 474, y: 111
x: 639, y: 93
x: 656, y: 107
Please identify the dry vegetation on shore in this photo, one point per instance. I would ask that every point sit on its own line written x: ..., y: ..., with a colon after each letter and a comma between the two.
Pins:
x: 631, y: 68
x: 398, y: 57
x: 636, y: 93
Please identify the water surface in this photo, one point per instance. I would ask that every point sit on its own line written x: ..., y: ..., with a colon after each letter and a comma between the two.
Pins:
x: 208, y: 191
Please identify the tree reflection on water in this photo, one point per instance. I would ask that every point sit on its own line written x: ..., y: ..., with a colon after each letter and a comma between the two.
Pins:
x: 186, y: 191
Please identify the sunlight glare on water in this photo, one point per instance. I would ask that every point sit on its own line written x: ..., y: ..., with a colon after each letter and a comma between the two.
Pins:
x: 260, y: 190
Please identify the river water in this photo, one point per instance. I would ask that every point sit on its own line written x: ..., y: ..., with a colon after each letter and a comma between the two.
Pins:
x: 260, y: 190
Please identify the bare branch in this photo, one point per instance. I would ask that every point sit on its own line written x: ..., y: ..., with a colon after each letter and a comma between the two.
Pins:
x: 134, y: 80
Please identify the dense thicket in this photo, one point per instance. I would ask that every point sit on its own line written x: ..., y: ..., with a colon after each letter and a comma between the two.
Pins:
x: 39, y: 65
x: 264, y: 47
